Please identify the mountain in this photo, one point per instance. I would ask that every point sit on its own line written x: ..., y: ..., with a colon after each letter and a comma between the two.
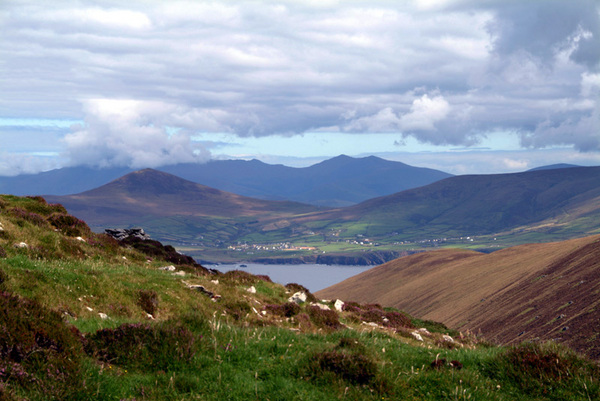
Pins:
x: 476, y: 205
x: 340, y: 181
x: 523, y: 293
x: 537, y: 206
x: 150, y: 195
x: 554, y: 166
x: 64, y: 181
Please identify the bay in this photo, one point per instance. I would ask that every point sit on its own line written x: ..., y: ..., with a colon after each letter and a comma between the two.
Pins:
x: 312, y: 276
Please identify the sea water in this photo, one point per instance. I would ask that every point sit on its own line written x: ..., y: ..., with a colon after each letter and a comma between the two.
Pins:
x: 312, y: 276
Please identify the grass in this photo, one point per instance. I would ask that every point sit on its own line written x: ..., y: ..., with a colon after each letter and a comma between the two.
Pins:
x: 237, y: 345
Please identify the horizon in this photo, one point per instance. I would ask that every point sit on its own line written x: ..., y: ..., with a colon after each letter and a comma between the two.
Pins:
x: 459, y: 86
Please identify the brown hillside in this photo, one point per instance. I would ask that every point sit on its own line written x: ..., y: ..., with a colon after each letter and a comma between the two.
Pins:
x: 536, y: 291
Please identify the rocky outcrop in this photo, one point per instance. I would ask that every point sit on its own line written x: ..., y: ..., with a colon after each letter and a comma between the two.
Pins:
x: 121, y: 234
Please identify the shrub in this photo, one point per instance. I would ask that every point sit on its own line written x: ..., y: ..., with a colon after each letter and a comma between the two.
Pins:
x: 398, y: 320
x: 148, y: 301
x: 237, y: 308
x: 239, y: 277
x: 287, y: 309
x: 353, y: 367
x: 542, y: 368
x: 2, y: 253
x: 69, y: 225
x: 164, y: 346
x: 3, y: 277
x: 38, y: 352
x: 25, y: 215
x: 326, y: 319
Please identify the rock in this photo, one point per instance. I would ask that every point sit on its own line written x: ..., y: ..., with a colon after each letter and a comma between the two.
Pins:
x: 122, y: 233
x: 203, y: 290
x: 88, y: 308
x: 424, y: 331
x: 320, y: 306
x: 1, y: 227
x: 416, y: 335
x: 299, y: 298
x: 214, y: 281
x: 338, y: 305
x: 80, y: 239
x: 179, y: 273
x: 21, y: 245
x: 170, y: 268
x: 251, y: 290
x: 447, y: 338
x: 149, y: 316
x: 103, y: 315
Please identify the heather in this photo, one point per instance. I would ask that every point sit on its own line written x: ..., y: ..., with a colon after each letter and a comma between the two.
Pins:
x: 83, y: 316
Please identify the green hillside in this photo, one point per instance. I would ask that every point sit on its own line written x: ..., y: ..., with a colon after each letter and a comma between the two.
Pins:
x: 83, y: 317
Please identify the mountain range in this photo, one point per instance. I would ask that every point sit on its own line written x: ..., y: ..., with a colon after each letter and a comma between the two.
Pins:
x: 341, y: 181
x: 523, y: 293
x: 534, y: 206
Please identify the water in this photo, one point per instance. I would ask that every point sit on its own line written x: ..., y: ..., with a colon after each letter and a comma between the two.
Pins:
x: 313, y: 277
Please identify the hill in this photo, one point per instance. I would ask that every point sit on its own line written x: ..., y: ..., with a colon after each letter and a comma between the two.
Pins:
x: 144, y: 196
x: 549, y: 201
x: 83, y: 316
x: 340, y: 181
x: 524, y: 293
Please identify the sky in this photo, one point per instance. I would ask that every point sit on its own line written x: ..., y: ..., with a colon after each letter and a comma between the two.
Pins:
x: 464, y: 86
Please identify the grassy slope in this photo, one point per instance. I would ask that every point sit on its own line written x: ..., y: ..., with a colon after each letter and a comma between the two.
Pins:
x: 55, y: 345
x: 535, y: 291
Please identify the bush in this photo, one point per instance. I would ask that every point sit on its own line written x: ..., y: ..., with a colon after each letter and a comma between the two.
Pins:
x: 148, y: 301
x: 352, y: 367
x: 288, y: 309
x: 543, y: 368
x: 326, y: 319
x: 38, y: 352
x: 164, y: 346
x: 69, y: 225
x: 25, y: 215
x: 237, y: 309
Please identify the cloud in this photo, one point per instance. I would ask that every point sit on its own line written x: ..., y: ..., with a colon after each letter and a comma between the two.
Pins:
x: 442, y: 71
x: 132, y: 133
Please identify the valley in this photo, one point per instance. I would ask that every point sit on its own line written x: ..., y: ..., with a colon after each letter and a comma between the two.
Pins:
x: 485, y: 213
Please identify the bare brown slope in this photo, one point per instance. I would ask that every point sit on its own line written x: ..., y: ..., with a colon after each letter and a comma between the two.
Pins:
x: 546, y: 291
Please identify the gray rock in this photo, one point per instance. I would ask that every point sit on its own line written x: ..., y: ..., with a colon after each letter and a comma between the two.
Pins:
x: 299, y: 298
x: 122, y: 233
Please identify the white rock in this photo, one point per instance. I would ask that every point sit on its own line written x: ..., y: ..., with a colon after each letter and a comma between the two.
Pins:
x: 320, y: 306
x: 149, y: 316
x: 21, y: 245
x: 88, y: 308
x: 103, y: 315
x: 416, y: 335
x: 214, y: 281
x: 179, y: 273
x: 447, y: 338
x: 424, y: 331
x: 299, y: 298
x: 251, y: 290
x: 338, y: 305
x: 168, y: 268
x: 80, y: 239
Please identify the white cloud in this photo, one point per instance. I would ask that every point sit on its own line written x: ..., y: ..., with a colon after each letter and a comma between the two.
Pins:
x: 129, y: 133
x: 424, y: 113
x: 445, y: 72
